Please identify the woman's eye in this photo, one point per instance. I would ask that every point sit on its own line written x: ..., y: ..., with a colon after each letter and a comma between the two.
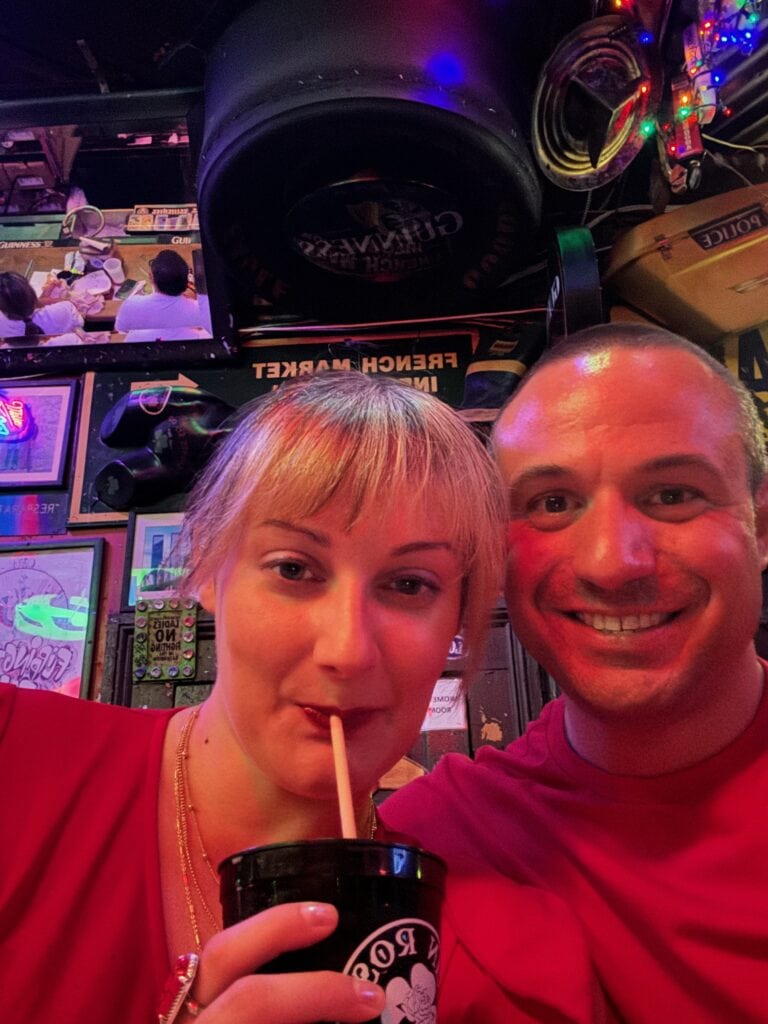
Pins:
x: 289, y: 569
x: 413, y: 586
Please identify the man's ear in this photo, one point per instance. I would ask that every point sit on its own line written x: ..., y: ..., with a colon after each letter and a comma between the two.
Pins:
x: 206, y: 595
x: 761, y: 522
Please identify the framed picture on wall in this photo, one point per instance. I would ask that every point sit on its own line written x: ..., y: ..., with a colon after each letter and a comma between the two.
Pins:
x: 35, y: 429
x: 153, y: 561
x: 48, y: 603
x: 100, y: 393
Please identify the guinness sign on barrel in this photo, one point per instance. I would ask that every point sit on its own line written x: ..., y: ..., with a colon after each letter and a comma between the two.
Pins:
x: 363, y: 159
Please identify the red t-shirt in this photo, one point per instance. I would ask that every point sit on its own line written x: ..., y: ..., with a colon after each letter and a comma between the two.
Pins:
x: 82, y: 935
x: 667, y: 875
x: 511, y: 954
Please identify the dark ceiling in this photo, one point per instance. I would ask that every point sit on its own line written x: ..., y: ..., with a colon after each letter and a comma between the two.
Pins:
x: 47, y: 50
x: 114, y: 70
x: 124, y: 69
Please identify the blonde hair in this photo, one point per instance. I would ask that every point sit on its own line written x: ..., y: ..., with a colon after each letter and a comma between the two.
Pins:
x: 296, y: 447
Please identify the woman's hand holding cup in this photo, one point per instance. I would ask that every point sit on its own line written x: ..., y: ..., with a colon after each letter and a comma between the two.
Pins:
x: 231, y: 994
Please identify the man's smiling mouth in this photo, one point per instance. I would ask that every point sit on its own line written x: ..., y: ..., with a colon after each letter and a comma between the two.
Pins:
x: 623, y: 623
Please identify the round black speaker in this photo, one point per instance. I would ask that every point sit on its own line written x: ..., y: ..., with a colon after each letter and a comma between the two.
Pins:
x: 360, y: 158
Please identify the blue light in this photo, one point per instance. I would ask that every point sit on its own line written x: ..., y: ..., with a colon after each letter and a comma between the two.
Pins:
x: 646, y: 37
x: 435, y: 97
x: 446, y: 69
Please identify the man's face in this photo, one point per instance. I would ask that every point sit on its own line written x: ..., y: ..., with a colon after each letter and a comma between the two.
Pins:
x: 634, y: 571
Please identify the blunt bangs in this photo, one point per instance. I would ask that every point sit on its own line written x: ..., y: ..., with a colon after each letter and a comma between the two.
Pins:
x: 368, y: 441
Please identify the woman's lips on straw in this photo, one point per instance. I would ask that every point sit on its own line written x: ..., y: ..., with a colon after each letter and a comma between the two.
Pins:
x: 352, y: 719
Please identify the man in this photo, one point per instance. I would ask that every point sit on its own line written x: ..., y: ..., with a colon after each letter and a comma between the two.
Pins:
x: 167, y: 313
x: 637, y: 535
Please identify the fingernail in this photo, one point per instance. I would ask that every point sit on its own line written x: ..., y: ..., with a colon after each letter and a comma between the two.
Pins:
x: 369, y: 994
x: 318, y: 913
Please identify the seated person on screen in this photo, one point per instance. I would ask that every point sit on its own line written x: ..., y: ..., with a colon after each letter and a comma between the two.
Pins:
x: 167, y: 313
x: 23, y: 322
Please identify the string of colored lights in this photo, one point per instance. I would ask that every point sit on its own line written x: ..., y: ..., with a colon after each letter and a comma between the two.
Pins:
x: 727, y: 31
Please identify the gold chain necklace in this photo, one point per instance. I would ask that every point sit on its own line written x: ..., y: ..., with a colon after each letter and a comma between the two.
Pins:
x: 185, y: 809
x: 372, y: 822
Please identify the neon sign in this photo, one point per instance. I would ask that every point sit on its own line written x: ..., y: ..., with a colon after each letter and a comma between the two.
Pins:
x: 16, y: 422
x: 38, y: 616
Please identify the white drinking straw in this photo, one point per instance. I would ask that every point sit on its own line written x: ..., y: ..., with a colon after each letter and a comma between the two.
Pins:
x: 346, y: 810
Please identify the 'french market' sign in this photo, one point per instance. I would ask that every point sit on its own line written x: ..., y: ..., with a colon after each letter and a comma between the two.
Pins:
x: 435, y: 363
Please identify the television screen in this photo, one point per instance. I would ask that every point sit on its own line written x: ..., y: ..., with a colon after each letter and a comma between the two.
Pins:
x: 102, y: 262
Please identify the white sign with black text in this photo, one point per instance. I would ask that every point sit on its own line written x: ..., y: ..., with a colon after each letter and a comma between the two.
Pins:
x: 447, y: 707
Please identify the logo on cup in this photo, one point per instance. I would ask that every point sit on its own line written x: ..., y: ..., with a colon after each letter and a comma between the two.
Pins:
x: 402, y: 957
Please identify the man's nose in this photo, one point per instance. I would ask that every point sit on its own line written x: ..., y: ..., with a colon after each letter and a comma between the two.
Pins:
x: 614, y: 543
x: 345, y: 631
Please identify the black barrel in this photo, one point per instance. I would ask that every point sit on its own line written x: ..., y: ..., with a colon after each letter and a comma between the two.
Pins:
x: 360, y: 158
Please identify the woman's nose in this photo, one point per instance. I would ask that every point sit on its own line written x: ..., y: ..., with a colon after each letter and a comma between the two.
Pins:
x: 614, y: 543
x: 345, y: 631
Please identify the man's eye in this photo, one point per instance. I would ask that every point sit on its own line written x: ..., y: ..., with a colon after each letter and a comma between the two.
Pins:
x: 675, y: 504
x: 555, y: 503
x: 551, y: 511
x: 551, y: 504
x: 672, y: 496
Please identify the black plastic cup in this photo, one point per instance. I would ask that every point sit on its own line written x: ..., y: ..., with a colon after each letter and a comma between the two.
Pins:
x: 388, y: 896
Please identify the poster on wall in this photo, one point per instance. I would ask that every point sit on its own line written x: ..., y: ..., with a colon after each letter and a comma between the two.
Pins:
x: 746, y: 356
x: 447, y: 706
x: 39, y: 514
x: 48, y: 604
x: 101, y: 393
x: 35, y: 425
x: 153, y: 561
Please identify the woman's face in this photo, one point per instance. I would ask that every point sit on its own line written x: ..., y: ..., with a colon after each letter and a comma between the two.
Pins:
x: 313, y: 617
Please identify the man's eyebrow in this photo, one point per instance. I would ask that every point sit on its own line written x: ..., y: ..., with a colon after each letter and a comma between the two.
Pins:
x: 681, y: 461
x: 535, y: 473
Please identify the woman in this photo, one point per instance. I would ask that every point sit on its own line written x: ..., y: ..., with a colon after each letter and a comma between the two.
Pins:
x: 344, y: 532
x: 22, y: 322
